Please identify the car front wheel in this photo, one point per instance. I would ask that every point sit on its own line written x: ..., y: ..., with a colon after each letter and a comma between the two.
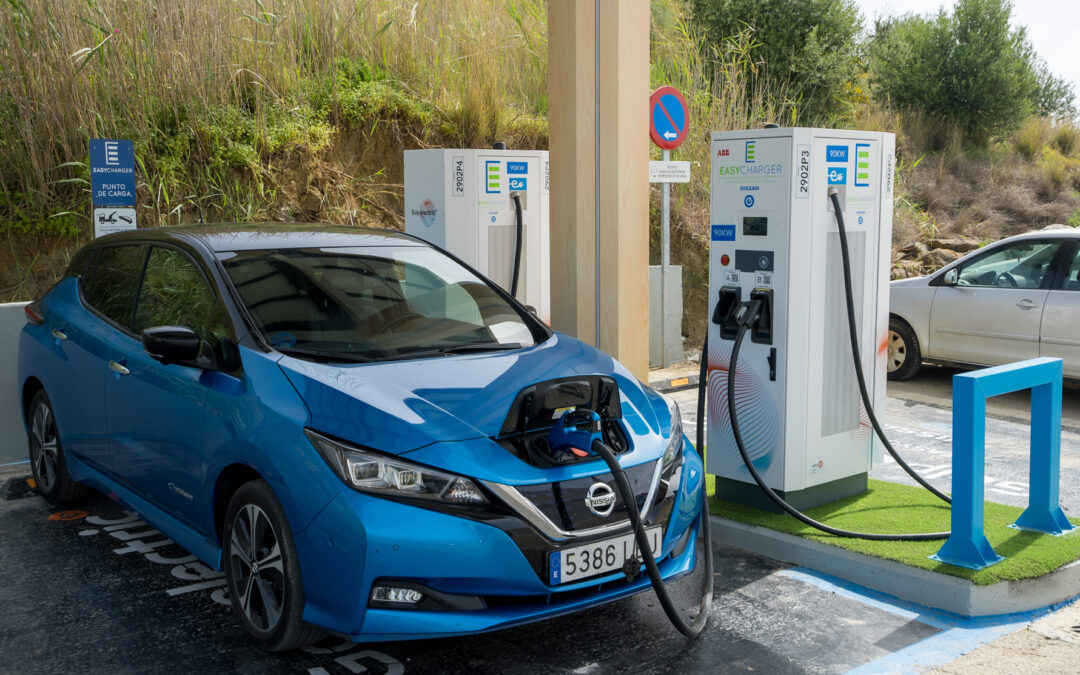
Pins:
x: 904, y: 356
x: 263, y: 572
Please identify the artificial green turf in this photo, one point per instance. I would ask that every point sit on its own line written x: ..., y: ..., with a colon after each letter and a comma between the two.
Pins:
x: 891, y: 508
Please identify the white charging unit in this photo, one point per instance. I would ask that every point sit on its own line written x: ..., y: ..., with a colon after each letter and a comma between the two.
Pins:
x: 774, y: 236
x: 460, y: 200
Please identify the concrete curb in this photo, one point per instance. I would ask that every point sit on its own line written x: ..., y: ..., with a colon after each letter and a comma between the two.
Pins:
x: 923, y: 587
x: 669, y: 385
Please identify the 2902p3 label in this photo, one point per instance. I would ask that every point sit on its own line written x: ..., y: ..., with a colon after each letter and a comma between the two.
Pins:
x: 600, y: 557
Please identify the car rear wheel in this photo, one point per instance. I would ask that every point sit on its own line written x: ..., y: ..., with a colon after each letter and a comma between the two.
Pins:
x: 263, y: 572
x: 47, y: 455
x: 904, y: 356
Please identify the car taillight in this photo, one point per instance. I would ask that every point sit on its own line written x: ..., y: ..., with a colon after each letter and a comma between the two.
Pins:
x: 33, y: 314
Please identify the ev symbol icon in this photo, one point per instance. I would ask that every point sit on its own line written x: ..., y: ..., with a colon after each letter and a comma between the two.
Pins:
x: 860, y: 220
x: 493, y: 219
x: 748, y: 201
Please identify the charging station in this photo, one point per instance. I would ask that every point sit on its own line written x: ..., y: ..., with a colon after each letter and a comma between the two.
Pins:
x: 774, y: 238
x: 461, y: 200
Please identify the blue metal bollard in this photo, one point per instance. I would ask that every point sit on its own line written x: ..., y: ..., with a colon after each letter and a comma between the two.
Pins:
x: 967, y: 545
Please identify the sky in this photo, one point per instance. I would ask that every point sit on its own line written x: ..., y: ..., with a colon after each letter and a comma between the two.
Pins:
x: 1051, y: 27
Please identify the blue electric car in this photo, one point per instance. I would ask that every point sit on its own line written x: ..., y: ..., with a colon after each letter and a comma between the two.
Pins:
x: 352, y: 424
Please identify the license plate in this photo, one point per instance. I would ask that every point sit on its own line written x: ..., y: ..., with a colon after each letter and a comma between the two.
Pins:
x: 589, y: 560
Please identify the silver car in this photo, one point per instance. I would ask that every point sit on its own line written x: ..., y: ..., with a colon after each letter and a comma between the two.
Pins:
x: 1016, y: 299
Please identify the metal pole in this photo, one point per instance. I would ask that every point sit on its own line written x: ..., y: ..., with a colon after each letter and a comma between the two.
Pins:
x: 596, y: 165
x: 665, y: 260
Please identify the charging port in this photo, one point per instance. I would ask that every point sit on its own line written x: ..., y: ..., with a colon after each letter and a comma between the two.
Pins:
x: 724, y: 314
x: 761, y: 332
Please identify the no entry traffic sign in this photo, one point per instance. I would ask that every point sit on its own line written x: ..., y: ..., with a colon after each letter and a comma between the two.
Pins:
x: 669, y: 119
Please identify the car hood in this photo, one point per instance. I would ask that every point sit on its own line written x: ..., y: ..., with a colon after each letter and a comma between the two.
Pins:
x: 913, y: 281
x: 400, y: 406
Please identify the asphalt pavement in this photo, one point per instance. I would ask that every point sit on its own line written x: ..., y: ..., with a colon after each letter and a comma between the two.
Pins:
x: 95, y: 589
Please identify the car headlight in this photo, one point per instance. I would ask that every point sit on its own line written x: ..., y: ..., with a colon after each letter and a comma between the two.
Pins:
x: 675, y: 442
x: 370, y: 472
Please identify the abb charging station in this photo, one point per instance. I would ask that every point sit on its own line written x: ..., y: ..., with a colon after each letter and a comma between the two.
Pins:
x: 774, y: 238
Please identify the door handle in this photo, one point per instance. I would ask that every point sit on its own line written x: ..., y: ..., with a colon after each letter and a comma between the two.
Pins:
x: 117, y: 368
x: 56, y: 333
x: 1027, y: 304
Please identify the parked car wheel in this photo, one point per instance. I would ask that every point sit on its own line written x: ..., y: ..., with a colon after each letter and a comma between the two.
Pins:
x: 47, y: 455
x: 261, y: 565
x: 904, y: 357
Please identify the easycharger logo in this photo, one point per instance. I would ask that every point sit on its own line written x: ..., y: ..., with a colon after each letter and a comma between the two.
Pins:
x: 751, y: 170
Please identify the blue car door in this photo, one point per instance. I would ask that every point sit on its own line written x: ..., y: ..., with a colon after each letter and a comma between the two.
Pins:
x: 86, y: 315
x: 156, y: 411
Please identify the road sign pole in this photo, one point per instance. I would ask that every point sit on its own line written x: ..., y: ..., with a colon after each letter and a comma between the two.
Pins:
x: 668, y: 125
x: 665, y: 261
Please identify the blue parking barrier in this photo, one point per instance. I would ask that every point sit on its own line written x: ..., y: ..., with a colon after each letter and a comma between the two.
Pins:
x: 967, y: 545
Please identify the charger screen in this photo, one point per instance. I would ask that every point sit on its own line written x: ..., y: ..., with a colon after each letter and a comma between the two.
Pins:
x: 755, y: 226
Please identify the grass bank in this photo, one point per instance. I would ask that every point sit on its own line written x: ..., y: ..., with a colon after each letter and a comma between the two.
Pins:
x: 891, y: 508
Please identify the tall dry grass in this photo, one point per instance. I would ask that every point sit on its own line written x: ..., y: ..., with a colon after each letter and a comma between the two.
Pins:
x: 176, y: 75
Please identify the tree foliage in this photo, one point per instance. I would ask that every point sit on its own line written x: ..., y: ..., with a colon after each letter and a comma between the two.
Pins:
x: 810, y: 46
x: 970, y: 68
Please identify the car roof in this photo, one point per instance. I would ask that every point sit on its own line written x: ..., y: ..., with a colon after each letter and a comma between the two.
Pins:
x: 1049, y: 232
x: 257, y: 236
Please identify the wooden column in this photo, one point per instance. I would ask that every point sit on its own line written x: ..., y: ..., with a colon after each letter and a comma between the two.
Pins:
x: 620, y: 143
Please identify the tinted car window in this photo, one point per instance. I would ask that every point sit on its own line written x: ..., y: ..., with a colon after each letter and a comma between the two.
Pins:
x: 174, y: 292
x: 1022, y: 264
x: 80, y: 262
x: 116, y: 278
x: 1072, y: 273
x: 372, y: 302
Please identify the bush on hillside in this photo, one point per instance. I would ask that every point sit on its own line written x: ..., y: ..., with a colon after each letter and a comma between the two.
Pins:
x: 969, y: 67
x: 810, y: 47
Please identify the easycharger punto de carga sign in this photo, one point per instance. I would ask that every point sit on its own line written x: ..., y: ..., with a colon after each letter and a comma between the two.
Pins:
x: 112, y: 185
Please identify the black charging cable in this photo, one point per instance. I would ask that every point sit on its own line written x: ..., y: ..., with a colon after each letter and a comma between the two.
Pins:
x: 694, y: 628
x: 834, y: 196
x: 519, y: 238
x: 747, y: 314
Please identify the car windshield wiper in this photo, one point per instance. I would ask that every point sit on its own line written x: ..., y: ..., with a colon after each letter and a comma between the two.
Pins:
x: 323, y: 355
x: 466, y: 348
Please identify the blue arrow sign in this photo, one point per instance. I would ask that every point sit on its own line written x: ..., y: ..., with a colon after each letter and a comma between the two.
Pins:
x: 112, y: 172
x: 668, y: 119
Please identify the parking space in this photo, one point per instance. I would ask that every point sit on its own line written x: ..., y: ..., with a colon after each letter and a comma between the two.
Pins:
x: 96, y: 589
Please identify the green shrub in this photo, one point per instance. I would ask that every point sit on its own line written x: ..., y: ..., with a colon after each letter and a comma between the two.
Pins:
x: 1030, y: 138
x: 969, y: 67
x: 1066, y: 138
x: 809, y: 47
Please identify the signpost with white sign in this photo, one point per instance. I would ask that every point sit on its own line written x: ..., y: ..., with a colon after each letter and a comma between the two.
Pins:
x: 669, y: 122
x: 112, y: 185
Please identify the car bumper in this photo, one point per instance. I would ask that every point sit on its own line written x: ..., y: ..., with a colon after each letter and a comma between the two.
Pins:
x: 359, y: 539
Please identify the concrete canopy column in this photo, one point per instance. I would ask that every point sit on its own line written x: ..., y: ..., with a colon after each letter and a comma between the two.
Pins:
x: 599, y: 174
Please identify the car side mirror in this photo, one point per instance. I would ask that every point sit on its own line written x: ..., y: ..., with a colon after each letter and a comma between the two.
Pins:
x: 952, y: 277
x: 172, y: 344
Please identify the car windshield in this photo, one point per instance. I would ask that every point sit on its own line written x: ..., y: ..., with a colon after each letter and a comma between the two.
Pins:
x: 373, y: 303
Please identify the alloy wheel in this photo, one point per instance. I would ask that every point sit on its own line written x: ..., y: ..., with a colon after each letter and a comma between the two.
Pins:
x: 44, y: 446
x: 257, y: 567
x: 897, y: 351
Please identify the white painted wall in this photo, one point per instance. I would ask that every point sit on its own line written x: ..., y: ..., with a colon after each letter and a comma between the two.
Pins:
x: 12, y: 432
